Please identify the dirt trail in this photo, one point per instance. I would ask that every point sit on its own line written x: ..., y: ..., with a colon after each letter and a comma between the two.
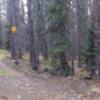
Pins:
x: 17, y: 86
x: 9, y: 84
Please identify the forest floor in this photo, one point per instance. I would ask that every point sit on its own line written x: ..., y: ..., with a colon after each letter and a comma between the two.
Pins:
x: 18, y: 83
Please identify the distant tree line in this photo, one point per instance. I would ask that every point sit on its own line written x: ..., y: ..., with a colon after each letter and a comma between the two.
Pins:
x: 62, y: 31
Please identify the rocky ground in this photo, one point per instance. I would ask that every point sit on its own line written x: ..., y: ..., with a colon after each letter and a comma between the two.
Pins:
x: 16, y: 85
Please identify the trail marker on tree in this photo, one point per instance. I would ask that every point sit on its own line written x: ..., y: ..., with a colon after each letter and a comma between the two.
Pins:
x: 13, y: 29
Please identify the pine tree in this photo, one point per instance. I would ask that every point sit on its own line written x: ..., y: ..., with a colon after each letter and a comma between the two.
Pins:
x: 57, y: 20
x: 90, y: 52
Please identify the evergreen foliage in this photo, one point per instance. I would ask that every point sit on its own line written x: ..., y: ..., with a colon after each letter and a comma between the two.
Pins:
x: 90, y: 51
x: 57, y: 18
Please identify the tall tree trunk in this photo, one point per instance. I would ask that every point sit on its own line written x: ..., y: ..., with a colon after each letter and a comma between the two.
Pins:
x: 13, y: 22
x: 34, y: 61
x: 81, y: 13
x: 96, y: 22
x: 63, y: 61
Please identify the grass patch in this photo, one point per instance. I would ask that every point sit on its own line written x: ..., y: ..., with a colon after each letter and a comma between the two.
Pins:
x: 4, y: 54
x: 5, y: 74
x: 26, y: 58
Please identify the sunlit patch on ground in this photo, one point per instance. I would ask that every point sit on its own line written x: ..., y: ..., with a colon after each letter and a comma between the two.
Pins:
x: 4, y: 54
x: 5, y: 74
